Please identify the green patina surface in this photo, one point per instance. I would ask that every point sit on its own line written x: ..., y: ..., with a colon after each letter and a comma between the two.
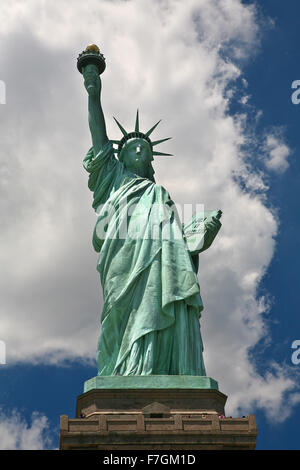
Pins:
x: 150, y: 382
x: 150, y: 331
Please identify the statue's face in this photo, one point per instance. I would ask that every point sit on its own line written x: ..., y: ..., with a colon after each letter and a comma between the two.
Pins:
x: 137, y: 155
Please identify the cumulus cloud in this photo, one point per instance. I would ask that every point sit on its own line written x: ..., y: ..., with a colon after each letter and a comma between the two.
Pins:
x: 17, y: 434
x: 175, y: 61
x: 276, y: 153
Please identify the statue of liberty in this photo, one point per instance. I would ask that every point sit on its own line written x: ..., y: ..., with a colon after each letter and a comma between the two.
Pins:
x: 148, y: 270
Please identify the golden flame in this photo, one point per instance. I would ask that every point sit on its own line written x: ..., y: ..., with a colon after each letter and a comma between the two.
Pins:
x: 92, y: 48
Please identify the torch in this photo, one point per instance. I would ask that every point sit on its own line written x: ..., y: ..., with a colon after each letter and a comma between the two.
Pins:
x: 91, y: 55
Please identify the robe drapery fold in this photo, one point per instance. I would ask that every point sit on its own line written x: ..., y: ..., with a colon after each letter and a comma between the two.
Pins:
x: 152, y: 303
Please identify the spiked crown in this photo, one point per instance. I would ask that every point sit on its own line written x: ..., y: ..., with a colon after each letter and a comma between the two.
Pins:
x: 137, y: 134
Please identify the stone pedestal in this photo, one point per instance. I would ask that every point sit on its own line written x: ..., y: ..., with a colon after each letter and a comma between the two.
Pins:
x: 154, y: 412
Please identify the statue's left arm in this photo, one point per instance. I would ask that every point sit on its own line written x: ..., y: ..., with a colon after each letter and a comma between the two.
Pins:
x: 199, y: 234
x: 211, y: 230
x: 203, y: 241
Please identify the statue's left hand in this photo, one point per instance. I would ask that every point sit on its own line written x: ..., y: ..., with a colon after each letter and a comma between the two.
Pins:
x: 211, y: 229
x: 213, y: 226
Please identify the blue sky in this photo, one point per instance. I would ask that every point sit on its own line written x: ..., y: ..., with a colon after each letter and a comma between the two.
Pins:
x: 242, y: 89
x: 270, y: 77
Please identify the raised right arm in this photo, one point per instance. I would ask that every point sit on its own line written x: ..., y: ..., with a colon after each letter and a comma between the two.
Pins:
x: 92, y: 83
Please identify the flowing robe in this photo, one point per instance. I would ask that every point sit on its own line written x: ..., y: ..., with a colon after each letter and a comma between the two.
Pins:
x: 152, y: 303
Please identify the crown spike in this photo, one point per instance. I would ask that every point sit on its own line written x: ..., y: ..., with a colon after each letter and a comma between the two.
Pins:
x: 152, y: 129
x: 138, y: 134
x: 137, y: 129
x: 163, y: 154
x: 156, y: 142
x: 120, y: 127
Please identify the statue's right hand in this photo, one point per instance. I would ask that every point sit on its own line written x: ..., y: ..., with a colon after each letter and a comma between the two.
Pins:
x: 92, y: 80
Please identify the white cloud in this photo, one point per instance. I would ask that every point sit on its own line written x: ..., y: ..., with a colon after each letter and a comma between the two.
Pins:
x: 174, y: 60
x: 17, y: 434
x: 276, y: 153
x: 244, y: 99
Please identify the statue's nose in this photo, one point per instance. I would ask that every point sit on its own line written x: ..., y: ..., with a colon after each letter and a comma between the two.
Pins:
x: 138, y: 149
